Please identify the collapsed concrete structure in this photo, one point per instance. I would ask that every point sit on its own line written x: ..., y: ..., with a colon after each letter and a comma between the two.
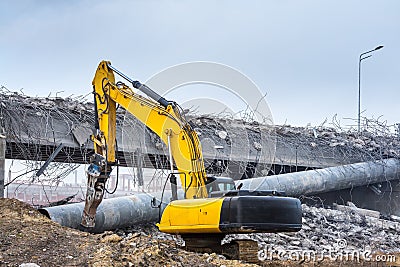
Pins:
x: 35, y: 128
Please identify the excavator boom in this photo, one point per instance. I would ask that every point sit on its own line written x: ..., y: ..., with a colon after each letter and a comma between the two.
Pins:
x: 161, y: 116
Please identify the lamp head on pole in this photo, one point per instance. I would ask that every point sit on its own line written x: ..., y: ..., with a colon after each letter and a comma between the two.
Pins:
x: 378, y: 47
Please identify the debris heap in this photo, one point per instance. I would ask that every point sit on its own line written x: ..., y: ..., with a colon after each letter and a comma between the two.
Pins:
x: 324, y: 228
x: 26, y: 237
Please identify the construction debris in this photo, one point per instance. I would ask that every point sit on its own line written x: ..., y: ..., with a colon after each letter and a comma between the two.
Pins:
x: 28, y: 237
x: 395, y: 218
x: 353, y: 208
x: 232, y: 147
x: 327, y: 234
x: 236, y: 148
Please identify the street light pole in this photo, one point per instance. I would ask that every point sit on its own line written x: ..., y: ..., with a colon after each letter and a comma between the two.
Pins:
x: 359, y: 80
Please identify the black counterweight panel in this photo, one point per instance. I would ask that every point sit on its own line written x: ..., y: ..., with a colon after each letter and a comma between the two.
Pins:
x: 260, y: 214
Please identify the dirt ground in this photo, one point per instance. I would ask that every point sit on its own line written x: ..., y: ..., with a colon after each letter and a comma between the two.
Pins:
x: 26, y: 236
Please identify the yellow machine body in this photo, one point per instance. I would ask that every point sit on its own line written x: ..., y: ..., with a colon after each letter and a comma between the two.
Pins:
x: 235, y: 211
x: 192, y: 216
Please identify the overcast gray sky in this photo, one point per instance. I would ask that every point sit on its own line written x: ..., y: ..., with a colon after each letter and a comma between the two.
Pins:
x: 303, y: 54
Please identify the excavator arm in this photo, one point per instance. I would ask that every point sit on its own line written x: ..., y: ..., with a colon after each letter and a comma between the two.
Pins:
x: 161, y: 116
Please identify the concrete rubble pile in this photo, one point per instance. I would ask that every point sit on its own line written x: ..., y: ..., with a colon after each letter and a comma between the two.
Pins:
x: 324, y: 228
x: 73, y: 109
x: 143, y: 245
x: 302, y: 148
x: 371, y: 143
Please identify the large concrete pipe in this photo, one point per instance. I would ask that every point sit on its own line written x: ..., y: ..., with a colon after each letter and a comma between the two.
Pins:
x: 126, y: 211
x: 328, y: 179
x: 113, y: 213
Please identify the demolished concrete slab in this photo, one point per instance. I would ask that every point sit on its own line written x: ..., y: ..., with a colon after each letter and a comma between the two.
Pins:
x: 231, y: 146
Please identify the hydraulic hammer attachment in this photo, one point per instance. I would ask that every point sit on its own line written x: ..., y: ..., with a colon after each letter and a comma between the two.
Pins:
x: 97, y: 174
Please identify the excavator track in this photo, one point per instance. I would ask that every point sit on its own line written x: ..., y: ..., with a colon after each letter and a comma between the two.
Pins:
x: 244, y: 249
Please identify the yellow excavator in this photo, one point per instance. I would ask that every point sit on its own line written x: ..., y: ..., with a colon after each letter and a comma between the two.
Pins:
x: 203, y: 217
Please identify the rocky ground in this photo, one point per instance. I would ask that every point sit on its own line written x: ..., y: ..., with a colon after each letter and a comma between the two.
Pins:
x: 28, y: 237
x: 328, y: 235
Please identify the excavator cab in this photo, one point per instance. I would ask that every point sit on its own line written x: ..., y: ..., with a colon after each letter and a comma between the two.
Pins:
x: 218, y: 186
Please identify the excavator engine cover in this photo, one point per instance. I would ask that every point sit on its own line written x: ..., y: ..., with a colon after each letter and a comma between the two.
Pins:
x: 241, y: 214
